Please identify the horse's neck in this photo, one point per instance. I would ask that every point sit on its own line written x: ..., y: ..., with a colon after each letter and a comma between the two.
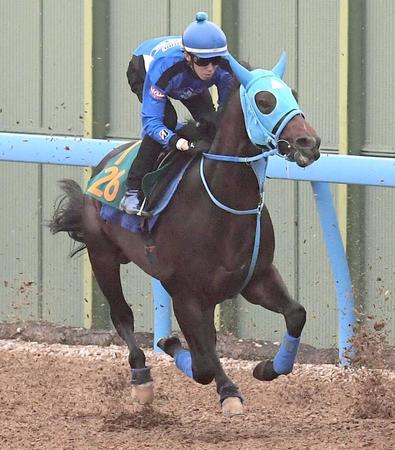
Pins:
x: 234, y: 183
x: 231, y: 138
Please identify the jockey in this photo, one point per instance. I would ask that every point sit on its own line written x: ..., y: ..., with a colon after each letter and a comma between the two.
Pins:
x: 181, y: 68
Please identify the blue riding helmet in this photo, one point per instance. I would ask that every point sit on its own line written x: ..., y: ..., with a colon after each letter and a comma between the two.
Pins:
x: 204, y: 39
x: 261, y: 128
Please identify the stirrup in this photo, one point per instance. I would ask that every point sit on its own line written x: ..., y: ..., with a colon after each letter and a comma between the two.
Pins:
x: 141, y: 212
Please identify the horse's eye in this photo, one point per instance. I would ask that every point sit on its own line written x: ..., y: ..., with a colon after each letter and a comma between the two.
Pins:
x: 265, y: 101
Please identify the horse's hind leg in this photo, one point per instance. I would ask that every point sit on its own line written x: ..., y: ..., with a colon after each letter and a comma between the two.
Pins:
x: 201, y: 363
x: 106, y: 267
x: 269, y: 291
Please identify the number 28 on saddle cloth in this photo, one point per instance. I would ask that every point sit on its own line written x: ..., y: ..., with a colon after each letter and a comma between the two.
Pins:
x: 108, y: 186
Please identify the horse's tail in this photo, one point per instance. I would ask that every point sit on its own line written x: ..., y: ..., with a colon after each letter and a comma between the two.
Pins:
x: 68, y: 213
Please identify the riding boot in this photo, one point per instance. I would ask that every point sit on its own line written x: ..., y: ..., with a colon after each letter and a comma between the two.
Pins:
x: 142, y: 164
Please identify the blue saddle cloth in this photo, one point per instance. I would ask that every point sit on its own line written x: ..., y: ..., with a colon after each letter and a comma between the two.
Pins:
x: 132, y: 222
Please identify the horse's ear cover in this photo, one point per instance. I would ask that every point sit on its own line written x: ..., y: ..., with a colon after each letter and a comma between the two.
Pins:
x: 260, y: 126
x: 279, y: 68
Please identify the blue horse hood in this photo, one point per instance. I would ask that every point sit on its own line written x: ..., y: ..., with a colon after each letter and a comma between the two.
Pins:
x: 260, y: 127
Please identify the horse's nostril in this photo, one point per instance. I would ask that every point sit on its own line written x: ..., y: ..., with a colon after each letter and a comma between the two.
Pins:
x: 306, y: 142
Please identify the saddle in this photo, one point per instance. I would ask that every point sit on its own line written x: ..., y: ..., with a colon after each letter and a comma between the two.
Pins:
x: 108, y: 183
x: 168, y: 166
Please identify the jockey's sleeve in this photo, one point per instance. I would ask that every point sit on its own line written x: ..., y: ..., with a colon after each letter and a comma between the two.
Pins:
x: 153, y: 112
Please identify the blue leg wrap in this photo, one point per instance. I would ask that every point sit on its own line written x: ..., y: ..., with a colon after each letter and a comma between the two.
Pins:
x: 284, y: 360
x: 183, y: 361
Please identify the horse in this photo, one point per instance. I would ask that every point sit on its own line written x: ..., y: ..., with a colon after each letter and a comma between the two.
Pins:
x: 214, y: 240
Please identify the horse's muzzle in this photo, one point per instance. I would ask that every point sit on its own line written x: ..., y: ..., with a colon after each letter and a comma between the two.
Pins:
x: 307, y: 150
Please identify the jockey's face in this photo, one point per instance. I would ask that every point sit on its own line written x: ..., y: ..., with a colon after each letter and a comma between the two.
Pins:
x: 204, y: 69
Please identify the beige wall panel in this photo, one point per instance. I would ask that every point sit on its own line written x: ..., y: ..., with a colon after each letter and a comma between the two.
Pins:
x: 380, y: 82
x: 62, y: 67
x: 20, y: 75
x: 138, y: 294
x: 318, y: 30
x: 266, y: 30
x: 315, y: 282
x: 62, y: 277
x: 19, y: 235
x: 182, y: 13
x: 380, y: 259
x: 281, y: 198
x: 130, y: 24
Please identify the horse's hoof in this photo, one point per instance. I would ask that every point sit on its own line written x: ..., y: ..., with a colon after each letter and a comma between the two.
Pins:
x: 264, y: 371
x: 143, y: 393
x: 232, y: 406
x: 169, y: 344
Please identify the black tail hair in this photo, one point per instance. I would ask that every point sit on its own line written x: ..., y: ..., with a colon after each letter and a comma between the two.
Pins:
x: 68, y: 213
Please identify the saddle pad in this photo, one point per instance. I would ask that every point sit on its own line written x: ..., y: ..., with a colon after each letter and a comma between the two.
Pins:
x: 134, y: 223
x: 108, y: 186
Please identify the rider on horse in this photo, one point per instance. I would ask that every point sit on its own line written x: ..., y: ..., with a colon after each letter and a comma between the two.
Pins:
x: 182, y: 68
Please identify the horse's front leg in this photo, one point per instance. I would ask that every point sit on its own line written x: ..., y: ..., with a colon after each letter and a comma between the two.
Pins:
x: 106, y: 268
x: 269, y: 291
x: 201, y: 362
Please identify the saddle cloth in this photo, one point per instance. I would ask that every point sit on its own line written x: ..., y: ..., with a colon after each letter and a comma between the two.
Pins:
x: 108, y: 187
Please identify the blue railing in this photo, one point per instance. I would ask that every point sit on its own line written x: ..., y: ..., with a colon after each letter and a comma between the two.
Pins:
x: 371, y: 171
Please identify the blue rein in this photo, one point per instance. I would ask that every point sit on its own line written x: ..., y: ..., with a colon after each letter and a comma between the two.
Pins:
x: 258, y: 163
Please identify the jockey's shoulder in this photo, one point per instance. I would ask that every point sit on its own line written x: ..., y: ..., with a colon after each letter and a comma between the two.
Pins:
x: 159, y: 46
x: 173, y: 63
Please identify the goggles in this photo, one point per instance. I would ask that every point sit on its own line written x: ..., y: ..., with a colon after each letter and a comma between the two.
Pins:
x: 202, y: 62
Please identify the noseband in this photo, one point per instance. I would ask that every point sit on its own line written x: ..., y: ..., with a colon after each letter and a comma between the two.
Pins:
x: 279, y: 128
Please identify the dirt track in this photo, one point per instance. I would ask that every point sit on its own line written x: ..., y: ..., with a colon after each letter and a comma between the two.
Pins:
x: 78, y: 397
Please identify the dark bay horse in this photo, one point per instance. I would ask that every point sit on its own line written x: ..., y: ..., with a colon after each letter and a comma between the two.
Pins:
x: 213, y: 241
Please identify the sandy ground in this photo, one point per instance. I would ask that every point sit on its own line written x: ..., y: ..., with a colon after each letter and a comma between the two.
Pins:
x: 79, y: 397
